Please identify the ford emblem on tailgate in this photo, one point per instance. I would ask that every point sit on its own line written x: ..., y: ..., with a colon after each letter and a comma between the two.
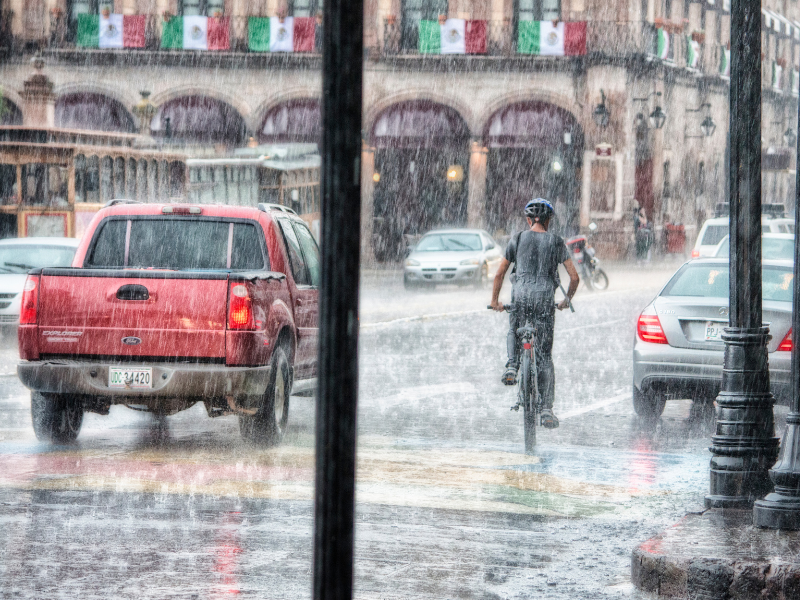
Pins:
x: 131, y: 341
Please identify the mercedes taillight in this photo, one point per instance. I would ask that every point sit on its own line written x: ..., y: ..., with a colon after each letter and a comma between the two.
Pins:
x: 649, y: 327
x: 30, y: 301
x: 786, y: 345
x: 240, y: 307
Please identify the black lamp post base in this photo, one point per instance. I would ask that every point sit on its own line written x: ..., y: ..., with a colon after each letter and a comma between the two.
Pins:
x: 777, y: 511
x: 781, y: 509
x: 728, y: 501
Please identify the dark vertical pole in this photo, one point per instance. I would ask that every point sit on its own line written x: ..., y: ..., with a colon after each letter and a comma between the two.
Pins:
x: 781, y: 509
x: 338, y: 331
x: 744, y: 445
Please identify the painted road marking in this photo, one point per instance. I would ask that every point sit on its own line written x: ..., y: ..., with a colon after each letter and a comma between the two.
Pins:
x: 594, y: 406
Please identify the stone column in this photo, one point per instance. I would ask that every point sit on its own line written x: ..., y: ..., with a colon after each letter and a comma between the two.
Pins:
x: 476, y: 193
x: 586, y: 187
x: 618, y: 157
x: 367, y: 203
x: 39, y: 100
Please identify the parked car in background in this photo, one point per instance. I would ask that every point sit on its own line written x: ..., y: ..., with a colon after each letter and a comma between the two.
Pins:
x: 678, y: 349
x: 774, y: 246
x: 460, y: 256
x: 715, y: 230
x: 20, y: 255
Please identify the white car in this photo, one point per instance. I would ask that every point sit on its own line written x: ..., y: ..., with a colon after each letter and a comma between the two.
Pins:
x: 20, y: 255
x: 714, y: 230
x: 774, y: 246
x: 459, y: 256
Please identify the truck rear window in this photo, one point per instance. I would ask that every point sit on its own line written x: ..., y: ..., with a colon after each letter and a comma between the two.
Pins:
x: 176, y: 244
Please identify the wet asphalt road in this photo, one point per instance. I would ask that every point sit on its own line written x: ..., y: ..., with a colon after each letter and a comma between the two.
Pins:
x: 448, y: 504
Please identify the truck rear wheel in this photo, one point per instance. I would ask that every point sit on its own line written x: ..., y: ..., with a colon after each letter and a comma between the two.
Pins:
x: 56, y: 417
x: 268, y: 425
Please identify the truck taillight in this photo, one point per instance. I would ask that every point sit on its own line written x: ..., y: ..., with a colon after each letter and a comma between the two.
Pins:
x: 649, y: 327
x: 30, y: 301
x: 240, y: 311
x: 787, y: 344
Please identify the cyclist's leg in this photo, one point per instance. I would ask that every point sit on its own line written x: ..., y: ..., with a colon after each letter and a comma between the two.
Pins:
x: 512, y: 345
x: 543, y: 346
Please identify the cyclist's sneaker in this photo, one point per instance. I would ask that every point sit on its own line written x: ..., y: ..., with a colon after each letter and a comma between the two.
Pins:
x: 549, y: 420
x: 510, y: 375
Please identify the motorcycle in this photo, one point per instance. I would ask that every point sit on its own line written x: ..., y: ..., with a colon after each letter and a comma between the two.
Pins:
x: 588, y: 264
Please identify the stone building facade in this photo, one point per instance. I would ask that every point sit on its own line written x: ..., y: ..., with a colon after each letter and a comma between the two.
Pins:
x: 452, y: 139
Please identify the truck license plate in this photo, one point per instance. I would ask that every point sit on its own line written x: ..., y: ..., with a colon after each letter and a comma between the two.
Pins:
x: 136, y: 379
x: 714, y: 331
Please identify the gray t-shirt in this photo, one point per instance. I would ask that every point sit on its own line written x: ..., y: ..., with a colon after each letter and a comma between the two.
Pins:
x: 536, y: 256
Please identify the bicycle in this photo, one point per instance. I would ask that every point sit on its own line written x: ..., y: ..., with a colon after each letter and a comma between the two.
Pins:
x: 528, y: 396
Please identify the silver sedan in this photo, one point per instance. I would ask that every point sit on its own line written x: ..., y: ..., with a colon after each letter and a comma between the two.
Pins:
x: 460, y: 256
x: 678, y: 349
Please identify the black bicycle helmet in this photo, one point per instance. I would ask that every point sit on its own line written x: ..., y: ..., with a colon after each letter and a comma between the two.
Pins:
x: 538, y: 208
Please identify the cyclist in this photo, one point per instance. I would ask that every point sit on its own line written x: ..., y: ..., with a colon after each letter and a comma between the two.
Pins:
x: 536, y: 255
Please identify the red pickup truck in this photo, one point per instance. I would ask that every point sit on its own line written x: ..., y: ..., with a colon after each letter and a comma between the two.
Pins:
x: 166, y: 305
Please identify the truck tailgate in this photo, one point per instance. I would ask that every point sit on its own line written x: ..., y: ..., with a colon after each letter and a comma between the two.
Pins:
x: 132, y: 313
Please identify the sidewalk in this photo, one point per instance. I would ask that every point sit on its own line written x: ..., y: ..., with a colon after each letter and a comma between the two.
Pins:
x: 719, y: 555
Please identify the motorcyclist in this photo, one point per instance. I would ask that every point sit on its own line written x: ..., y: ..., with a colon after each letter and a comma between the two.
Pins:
x: 536, y: 255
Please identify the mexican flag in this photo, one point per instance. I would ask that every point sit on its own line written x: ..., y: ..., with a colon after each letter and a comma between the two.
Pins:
x: 196, y: 33
x: 454, y: 36
x: 662, y: 44
x: 287, y: 34
x: 724, y: 61
x: 550, y: 38
x: 111, y: 31
x: 692, y: 52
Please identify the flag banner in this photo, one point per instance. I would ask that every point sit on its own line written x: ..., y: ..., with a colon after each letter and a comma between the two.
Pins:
x: 110, y: 35
x: 795, y: 82
x: 281, y: 34
x: 111, y: 31
x: 88, y: 31
x: 133, y: 29
x: 195, y: 33
x: 724, y: 61
x: 547, y: 38
x: 777, y: 75
x: 172, y: 34
x: 454, y: 36
x: 662, y: 44
x: 270, y: 34
x: 219, y: 33
x: 692, y: 52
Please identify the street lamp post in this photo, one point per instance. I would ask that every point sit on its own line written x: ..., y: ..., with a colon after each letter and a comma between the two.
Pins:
x: 744, y: 446
x: 781, y: 509
x: 337, y: 393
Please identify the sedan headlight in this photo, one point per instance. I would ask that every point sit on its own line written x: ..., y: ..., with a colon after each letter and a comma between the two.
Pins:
x: 410, y: 262
x: 471, y: 261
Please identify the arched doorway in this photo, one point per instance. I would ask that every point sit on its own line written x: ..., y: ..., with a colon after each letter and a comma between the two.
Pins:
x: 421, y: 164
x: 292, y: 121
x: 535, y: 150
x: 92, y: 111
x: 10, y: 114
x: 199, y: 120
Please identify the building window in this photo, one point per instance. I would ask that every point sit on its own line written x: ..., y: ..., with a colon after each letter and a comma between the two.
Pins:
x: 668, y: 9
x: 87, y: 7
x: 701, y: 179
x: 703, y: 19
x: 208, y: 8
x: 667, y: 188
x: 415, y: 11
x: 305, y: 8
x: 537, y: 10
x: 718, y: 27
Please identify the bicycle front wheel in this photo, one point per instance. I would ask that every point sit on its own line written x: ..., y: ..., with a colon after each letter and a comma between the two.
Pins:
x: 526, y: 390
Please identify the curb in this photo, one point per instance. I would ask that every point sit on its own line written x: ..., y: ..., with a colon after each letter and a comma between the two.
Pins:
x: 719, y: 555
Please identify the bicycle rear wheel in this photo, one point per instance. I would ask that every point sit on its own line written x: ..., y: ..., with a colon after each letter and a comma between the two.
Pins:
x: 526, y: 391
